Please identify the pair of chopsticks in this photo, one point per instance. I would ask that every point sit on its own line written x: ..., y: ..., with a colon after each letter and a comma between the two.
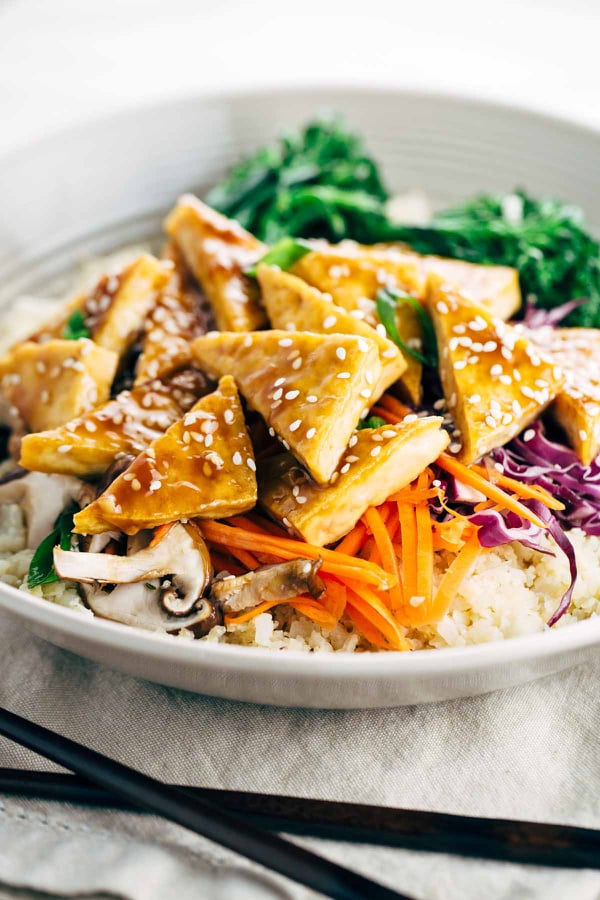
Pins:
x: 199, y: 814
x: 531, y: 843
x: 101, y: 781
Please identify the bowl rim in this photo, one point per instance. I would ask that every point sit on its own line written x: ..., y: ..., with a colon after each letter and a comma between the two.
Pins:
x: 38, y: 611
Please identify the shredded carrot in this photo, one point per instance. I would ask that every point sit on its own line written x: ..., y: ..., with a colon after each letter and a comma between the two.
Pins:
x: 424, y: 552
x: 251, y: 613
x: 415, y: 496
x: 305, y: 605
x: 389, y: 417
x: 526, y: 491
x: 160, y: 533
x: 366, y: 629
x: 313, y: 610
x: 285, y: 548
x: 222, y: 563
x: 493, y: 492
x: 408, y: 536
x: 366, y: 601
x: 451, y: 535
x: 334, y: 598
x: 395, y: 406
x: 456, y: 572
x: 383, y: 544
x: 246, y: 558
x: 353, y: 541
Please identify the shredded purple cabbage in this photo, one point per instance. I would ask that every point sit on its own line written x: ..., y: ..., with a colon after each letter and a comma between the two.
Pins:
x: 541, y: 318
x: 534, y: 459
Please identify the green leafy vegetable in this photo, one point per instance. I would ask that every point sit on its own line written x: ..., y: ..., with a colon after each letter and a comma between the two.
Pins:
x: 150, y: 586
x: 557, y: 258
x: 371, y: 422
x: 41, y: 568
x: 75, y: 327
x: 317, y: 182
x: 387, y: 302
x: 320, y: 182
x: 284, y: 254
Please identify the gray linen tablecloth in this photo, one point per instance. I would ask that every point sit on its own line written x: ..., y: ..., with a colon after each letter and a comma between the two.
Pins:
x: 527, y: 752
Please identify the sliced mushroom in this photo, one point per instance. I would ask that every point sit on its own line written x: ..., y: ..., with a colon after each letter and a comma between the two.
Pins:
x: 42, y: 498
x: 280, y: 581
x: 137, y: 605
x: 181, y: 554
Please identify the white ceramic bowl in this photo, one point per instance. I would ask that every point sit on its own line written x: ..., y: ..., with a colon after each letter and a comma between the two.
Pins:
x: 96, y: 187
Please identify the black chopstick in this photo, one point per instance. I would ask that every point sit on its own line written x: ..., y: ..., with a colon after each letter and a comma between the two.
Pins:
x: 195, y: 813
x: 533, y: 843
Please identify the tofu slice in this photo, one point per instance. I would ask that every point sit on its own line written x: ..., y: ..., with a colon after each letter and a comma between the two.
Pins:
x: 353, y: 273
x: 116, y: 308
x: 89, y: 444
x: 202, y: 467
x: 293, y: 305
x: 53, y: 382
x: 311, y: 389
x: 125, y: 315
x: 496, y: 381
x: 577, y: 407
x: 179, y: 315
x: 217, y: 250
x: 377, y: 462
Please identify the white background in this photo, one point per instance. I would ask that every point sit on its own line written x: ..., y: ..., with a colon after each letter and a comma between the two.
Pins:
x: 63, y: 60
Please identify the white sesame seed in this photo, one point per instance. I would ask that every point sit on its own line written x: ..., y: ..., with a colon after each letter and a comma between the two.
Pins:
x: 278, y: 394
x: 352, y: 440
x: 295, y: 490
x: 279, y: 382
x: 507, y: 419
x: 460, y: 364
x: 65, y: 448
x: 376, y: 451
x: 436, y: 482
x: 285, y: 444
x: 135, y: 485
x: 208, y: 441
x: 251, y: 464
x: 237, y: 458
x: 228, y: 416
x: 312, y: 398
x: 90, y: 426
x: 247, y: 341
x: 285, y: 342
x: 496, y: 370
x: 411, y: 417
x: 489, y: 346
x: 390, y: 353
x: 416, y: 601
x: 300, y: 500
x: 291, y: 395
x: 343, y: 375
x: 491, y: 422
x: 528, y: 392
x: 499, y: 467
x: 505, y: 379
x: 583, y: 435
x: 357, y: 314
x: 311, y: 433
x: 380, y: 329
x: 340, y: 353
x: 286, y: 522
x: 351, y: 459
x: 345, y: 468
x: 528, y: 435
x: 366, y: 393
x: 362, y: 343
x: 295, y: 424
x: 442, y: 307
x: 297, y: 363
x: 455, y: 447
x: 329, y: 321
x: 155, y: 485
x: 388, y: 433
x: 272, y: 432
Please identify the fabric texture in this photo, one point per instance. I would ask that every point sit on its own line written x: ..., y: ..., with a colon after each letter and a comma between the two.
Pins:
x: 528, y: 752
